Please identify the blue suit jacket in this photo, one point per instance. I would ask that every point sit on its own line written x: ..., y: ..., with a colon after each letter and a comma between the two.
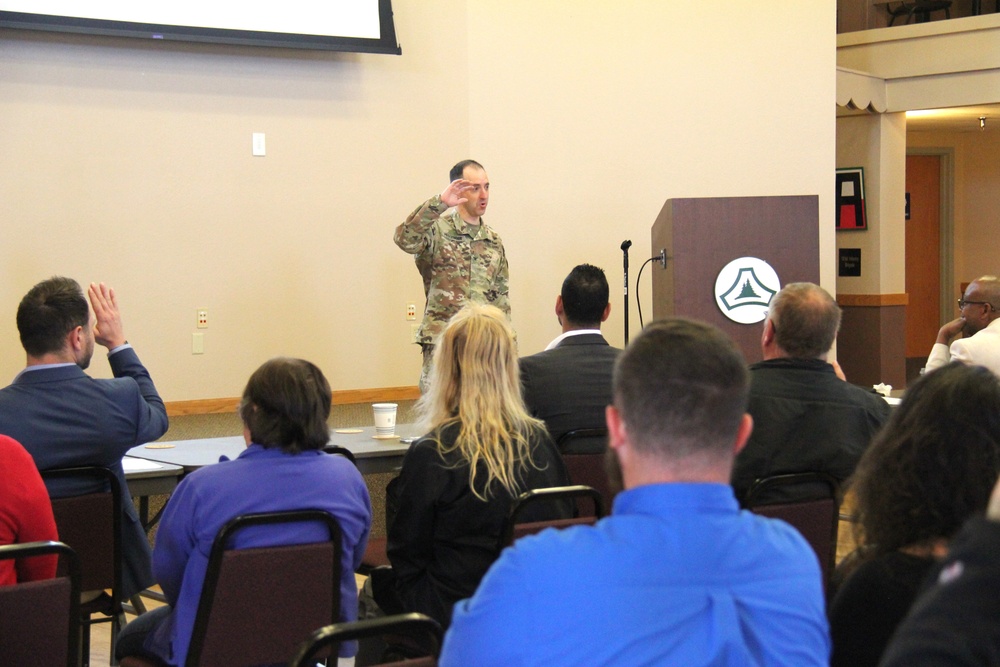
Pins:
x: 569, y: 386
x: 65, y: 418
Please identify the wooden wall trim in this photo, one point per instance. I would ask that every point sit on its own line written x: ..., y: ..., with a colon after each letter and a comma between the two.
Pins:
x: 222, y: 405
x: 873, y: 300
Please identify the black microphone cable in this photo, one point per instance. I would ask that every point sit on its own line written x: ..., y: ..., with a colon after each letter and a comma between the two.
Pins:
x: 662, y: 259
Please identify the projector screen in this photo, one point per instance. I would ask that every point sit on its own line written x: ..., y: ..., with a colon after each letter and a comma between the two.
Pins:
x: 338, y: 25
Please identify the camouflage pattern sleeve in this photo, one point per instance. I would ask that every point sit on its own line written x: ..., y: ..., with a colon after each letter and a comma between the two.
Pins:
x: 414, y: 234
x: 501, y: 285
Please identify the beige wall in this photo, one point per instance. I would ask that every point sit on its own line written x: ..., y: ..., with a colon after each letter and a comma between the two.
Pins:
x: 130, y: 163
x: 976, y: 198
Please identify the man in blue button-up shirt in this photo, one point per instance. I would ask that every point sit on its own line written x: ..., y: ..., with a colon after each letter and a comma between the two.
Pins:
x: 678, y: 575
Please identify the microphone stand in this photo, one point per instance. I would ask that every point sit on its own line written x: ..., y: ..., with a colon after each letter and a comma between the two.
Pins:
x: 625, y: 246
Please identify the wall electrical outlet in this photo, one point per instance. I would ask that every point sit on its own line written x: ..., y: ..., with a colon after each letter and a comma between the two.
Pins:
x: 411, y: 311
x: 202, y: 317
x: 197, y: 343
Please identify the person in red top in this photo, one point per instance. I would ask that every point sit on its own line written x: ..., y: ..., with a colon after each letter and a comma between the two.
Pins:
x: 25, y: 514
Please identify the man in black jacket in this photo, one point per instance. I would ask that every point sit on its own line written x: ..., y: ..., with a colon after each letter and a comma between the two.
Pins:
x: 806, y: 417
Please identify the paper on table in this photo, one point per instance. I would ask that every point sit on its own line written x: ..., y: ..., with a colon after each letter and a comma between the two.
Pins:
x: 132, y: 464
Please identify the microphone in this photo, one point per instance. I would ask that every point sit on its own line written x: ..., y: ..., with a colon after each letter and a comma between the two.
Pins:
x: 626, y: 245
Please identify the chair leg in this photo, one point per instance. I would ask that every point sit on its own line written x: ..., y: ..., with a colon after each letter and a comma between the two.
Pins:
x: 117, y: 622
x: 85, y: 642
x: 138, y: 607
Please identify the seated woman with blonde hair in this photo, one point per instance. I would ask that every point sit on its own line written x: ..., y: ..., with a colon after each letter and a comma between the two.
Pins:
x: 931, y: 468
x: 458, y: 482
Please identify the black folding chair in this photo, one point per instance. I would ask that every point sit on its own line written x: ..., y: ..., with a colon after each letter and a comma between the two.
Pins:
x: 341, y: 451
x: 813, y: 508
x: 516, y: 527
x: 420, y: 633
x: 268, y: 597
x: 91, y: 523
x: 40, y: 620
x: 583, y: 452
x: 258, y: 604
x: 919, y: 9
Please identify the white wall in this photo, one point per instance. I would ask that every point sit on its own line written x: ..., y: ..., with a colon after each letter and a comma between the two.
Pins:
x: 130, y: 163
x: 617, y: 107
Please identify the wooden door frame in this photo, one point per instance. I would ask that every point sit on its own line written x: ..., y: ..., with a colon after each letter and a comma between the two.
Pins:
x: 946, y: 226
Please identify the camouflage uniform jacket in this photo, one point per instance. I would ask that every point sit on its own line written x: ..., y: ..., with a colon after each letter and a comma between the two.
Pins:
x: 457, y: 262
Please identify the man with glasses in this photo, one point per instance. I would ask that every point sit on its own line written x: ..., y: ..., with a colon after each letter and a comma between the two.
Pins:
x: 979, y: 325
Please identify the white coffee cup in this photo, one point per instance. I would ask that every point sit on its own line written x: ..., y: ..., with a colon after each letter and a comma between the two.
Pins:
x: 385, y: 418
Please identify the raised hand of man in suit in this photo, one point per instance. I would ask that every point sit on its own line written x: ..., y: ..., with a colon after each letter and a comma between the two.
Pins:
x: 108, y: 330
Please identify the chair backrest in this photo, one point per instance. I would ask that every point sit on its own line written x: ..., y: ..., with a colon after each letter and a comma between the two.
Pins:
x: 583, y: 441
x: 342, y: 451
x: 40, y: 620
x: 418, y: 631
x: 258, y: 604
x: 815, y: 514
x: 582, y: 451
x: 515, y: 527
x: 91, y: 524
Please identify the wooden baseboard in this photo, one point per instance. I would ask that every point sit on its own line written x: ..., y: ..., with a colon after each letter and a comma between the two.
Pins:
x: 214, y: 406
x: 872, y: 300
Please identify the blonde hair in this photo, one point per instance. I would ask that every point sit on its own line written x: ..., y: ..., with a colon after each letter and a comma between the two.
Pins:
x: 475, y: 385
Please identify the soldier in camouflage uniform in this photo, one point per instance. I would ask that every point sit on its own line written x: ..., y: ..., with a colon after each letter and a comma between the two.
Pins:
x: 458, y: 256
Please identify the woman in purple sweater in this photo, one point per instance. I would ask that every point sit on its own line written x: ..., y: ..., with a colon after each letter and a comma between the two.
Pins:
x: 284, y: 411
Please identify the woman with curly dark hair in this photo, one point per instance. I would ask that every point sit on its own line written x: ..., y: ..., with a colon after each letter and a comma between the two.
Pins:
x: 932, y: 467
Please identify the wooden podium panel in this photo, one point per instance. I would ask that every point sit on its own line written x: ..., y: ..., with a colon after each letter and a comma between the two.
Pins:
x: 702, y: 235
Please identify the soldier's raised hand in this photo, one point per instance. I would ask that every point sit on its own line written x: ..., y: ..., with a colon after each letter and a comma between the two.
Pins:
x: 454, y: 194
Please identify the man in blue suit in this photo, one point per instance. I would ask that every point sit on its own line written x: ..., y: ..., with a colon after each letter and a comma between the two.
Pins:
x: 65, y: 418
x: 569, y: 384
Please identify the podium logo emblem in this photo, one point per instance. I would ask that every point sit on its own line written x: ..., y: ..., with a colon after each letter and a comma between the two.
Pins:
x: 744, y: 288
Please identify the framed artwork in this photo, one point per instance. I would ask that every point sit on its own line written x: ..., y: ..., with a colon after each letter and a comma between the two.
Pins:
x: 850, y: 199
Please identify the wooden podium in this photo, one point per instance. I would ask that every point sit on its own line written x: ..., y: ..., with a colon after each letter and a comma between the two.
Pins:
x: 702, y: 235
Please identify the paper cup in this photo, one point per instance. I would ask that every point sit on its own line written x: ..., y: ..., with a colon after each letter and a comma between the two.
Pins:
x: 385, y: 418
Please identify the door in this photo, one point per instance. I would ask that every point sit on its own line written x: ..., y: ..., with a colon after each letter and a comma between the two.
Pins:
x: 923, y: 259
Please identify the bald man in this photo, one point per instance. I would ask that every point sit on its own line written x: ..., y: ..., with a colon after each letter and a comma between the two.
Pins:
x: 978, y: 325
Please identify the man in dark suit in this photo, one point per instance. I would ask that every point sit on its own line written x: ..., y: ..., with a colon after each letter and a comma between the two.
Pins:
x: 65, y: 418
x: 569, y: 384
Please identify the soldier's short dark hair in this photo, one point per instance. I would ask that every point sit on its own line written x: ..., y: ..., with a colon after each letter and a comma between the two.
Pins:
x: 48, y: 312
x: 459, y: 169
x: 286, y: 404
x: 585, y: 296
x: 805, y: 319
x: 681, y: 388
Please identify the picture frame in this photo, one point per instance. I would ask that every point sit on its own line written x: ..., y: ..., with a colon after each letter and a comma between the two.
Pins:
x: 850, y: 199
